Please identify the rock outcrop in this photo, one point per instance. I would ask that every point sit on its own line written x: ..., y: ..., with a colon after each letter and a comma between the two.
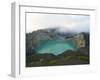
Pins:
x: 33, y: 39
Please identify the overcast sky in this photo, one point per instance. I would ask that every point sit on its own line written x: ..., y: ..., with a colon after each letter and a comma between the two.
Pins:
x: 76, y: 23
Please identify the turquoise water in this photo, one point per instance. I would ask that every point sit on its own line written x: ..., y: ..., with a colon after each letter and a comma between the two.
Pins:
x: 55, y: 46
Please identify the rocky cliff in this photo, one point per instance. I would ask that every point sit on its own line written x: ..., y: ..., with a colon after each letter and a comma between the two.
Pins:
x: 33, y: 39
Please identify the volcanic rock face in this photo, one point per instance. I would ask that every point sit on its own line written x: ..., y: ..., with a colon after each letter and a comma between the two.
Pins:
x: 33, y: 39
x: 80, y: 56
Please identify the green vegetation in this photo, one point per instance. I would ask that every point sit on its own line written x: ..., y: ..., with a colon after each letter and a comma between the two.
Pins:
x: 66, y: 58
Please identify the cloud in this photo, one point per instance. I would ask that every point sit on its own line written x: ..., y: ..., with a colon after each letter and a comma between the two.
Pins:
x: 76, y: 23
